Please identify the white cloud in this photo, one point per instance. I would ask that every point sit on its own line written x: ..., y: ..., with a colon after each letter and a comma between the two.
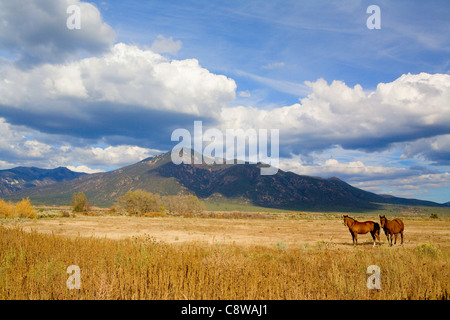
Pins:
x: 244, y: 94
x: 19, y: 147
x: 436, y: 149
x: 353, y: 170
x: 407, y: 109
x: 126, y: 75
x: 84, y: 169
x: 36, y: 31
x: 166, y: 45
x: 408, y: 182
x: 111, y: 156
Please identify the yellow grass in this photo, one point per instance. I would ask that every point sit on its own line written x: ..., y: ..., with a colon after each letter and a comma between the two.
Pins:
x: 33, y: 266
x: 22, y: 209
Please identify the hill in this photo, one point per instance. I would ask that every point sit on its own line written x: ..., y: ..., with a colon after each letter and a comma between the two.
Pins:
x: 15, y: 179
x: 241, y: 183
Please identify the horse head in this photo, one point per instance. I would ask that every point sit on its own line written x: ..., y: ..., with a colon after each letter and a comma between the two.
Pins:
x: 383, y: 221
x: 346, y: 219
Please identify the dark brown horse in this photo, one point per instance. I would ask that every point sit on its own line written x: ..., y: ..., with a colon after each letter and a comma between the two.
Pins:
x: 392, y: 228
x: 356, y: 227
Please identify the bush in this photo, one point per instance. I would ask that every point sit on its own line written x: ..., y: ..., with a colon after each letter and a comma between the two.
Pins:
x: 7, y: 209
x: 140, y: 202
x: 186, y: 205
x: 22, y: 209
x: 25, y: 210
x: 79, y: 202
x: 427, y: 249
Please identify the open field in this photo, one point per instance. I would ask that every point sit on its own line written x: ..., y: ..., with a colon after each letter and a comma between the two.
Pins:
x: 227, y: 256
x: 292, y: 230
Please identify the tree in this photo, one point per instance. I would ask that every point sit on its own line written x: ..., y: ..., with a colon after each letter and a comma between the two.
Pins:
x: 79, y: 202
x: 140, y: 202
x: 183, y: 204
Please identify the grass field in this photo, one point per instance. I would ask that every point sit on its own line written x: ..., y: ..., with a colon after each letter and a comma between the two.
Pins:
x: 232, y: 255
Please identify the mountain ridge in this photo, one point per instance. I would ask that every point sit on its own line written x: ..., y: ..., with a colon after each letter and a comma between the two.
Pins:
x: 158, y: 174
x: 18, y: 178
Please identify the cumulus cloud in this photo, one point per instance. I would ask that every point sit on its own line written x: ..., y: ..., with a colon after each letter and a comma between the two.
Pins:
x: 353, y: 170
x: 435, y: 149
x: 166, y: 45
x: 411, y: 107
x: 410, y: 182
x: 36, y: 31
x: 127, y: 92
x: 21, y: 146
x: 112, y: 156
x: 125, y: 75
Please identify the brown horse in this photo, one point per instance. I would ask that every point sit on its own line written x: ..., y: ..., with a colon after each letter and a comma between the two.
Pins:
x: 392, y: 228
x: 356, y: 227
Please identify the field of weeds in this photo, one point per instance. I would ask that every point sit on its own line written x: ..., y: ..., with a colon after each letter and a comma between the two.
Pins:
x: 34, y: 266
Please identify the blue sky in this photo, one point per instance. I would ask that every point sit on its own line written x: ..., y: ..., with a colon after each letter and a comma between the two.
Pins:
x: 368, y: 106
x: 293, y: 41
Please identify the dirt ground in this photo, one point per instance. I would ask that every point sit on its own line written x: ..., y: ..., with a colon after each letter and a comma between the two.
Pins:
x: 266, y: 232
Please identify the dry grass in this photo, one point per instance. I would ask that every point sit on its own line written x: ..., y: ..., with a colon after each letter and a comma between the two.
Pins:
x: 33, y: 265
x: 295, y: 233
x: 22, y: 209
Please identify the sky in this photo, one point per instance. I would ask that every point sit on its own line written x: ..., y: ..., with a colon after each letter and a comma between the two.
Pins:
x: 369, y: 106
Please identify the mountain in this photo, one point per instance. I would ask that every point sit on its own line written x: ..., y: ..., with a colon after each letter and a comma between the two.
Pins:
x: 216, y: 182
x: 447, y: 204
x: 15, y: 179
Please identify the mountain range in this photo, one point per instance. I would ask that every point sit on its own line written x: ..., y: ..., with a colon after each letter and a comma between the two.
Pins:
x: 19, y: 178
x: 241, y: 183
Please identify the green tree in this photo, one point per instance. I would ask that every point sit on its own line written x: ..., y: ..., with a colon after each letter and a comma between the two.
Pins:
x: 140, y: 202
x: 183, y: 204
x: 79, y: 202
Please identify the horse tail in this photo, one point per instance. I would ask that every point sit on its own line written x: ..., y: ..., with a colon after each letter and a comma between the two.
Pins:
x: 376, y: 227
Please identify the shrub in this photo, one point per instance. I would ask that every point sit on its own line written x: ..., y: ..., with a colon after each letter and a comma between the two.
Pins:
x: 65, y: 214
x: 186, y: 205
x: 428, y: 249
x: 7, y: 209
x: 22, y: 209
x: 79, y: 202
x: 140, y: 202
x: 25, y: 210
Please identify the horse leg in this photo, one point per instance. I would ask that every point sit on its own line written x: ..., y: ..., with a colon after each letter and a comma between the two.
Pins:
x: 372, y: 233
x: 355, y: 236
x: 401, y: 233
x: 395, y: 235
x: 391, y: 236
